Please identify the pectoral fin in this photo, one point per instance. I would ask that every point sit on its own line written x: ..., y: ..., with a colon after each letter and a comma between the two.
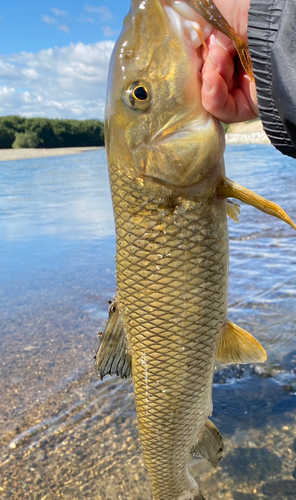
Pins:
x: 112, y: 356
x: 230, y: 189
x: 209, y: 444
x: 233, y: 210
x: 238, y: 346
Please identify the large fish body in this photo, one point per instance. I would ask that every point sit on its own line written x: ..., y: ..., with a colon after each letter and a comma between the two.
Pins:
x: 172, y: 241
x: 169, y: 193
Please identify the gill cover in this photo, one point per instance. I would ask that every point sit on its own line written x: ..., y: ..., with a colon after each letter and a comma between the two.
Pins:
x: 155, y: 123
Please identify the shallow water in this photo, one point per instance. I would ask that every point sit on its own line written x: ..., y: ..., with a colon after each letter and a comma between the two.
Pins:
x: 63, y: 433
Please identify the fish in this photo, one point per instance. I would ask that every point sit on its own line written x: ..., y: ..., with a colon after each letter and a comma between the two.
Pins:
x: 168, y: 323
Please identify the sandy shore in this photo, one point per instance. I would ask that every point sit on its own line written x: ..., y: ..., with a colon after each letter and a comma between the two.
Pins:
x: 247, y: 133
x: 22, y: 154
x: 248, y: 138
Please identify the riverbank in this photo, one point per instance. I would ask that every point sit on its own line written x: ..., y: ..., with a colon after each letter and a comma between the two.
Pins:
x: 26, y: 153
x: 247, y: 133
x: 247, y: 138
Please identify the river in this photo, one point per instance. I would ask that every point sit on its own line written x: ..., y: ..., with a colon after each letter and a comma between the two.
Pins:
x: 65, y: 434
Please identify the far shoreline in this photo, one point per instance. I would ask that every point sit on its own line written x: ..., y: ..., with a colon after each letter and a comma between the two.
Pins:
x: 29, y: 153
x: 247, y: 138
x: 250, y: 137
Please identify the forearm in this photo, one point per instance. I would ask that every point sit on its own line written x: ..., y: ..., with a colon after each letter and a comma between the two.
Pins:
x: 272, y: 43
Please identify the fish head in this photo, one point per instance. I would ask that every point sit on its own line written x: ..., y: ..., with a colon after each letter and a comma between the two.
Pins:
x: 155, y: 121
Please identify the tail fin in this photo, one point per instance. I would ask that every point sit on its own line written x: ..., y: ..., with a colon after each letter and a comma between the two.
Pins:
x: 192, y: 492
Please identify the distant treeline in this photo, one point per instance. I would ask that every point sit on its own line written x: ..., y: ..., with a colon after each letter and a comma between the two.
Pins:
x: 18, y: 132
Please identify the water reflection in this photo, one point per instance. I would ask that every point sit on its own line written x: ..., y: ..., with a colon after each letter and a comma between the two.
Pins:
x: 67, y: 197
x: 63, y: 433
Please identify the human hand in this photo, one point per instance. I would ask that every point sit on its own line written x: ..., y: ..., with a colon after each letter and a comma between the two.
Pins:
x: 227, y: 91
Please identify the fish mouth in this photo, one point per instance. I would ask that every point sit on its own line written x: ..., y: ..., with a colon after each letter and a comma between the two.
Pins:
x: 174, y: 124
x: 187, y: 23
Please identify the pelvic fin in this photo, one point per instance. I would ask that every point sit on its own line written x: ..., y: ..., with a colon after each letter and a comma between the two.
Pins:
x: 112, y: 356
x: 229, y: 189
x: 238, y: 346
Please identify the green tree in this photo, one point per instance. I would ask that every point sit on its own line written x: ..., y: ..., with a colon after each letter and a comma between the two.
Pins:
x: 16, y: 131
x: 6, y: 137
x: 25, y: 140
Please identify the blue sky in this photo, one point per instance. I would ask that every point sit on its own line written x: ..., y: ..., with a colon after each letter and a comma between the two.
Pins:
x: 54, y: 56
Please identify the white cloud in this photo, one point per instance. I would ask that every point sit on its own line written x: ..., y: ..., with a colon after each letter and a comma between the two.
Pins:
x: 58, y: 82
x: 49, y: 20
x: 64, y: 28
x: 85, y: 19
x: 59, y: 12
x: 31, y: 73
x: 109, y: 31
x: 7, y: 70
x: 105, y: 13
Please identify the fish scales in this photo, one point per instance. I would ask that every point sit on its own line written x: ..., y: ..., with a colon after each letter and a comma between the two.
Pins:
x: 173, y: 313
x: 168, y: 322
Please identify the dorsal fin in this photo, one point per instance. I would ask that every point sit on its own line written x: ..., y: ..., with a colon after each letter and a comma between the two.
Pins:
x: 238, y: 346
x: 112, y: 356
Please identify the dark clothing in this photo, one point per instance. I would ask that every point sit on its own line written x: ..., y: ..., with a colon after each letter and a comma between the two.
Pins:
x: 272, y: 42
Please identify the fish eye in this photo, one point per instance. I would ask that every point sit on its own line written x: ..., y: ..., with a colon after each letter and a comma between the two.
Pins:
x: 138, y: 96
x: 140, y: 93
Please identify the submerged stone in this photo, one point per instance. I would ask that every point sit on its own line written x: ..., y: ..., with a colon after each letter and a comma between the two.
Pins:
x: 285, y: 489
x: 229, y: 373
x: 237, y: 495
x: 251, y: 465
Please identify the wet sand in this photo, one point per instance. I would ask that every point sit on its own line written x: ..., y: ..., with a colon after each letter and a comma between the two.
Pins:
x: 22, y: 154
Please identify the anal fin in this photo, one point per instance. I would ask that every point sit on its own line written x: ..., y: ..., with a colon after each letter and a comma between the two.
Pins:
x: 112, y: 356
x: 229, y: 189
x: 238, y: 346
x: 209, y: 444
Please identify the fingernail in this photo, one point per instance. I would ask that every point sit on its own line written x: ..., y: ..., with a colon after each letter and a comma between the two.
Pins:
x: 207, y: 86
x: 213, y: 59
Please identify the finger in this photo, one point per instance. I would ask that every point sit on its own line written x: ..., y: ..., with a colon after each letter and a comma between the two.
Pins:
x: 218, y: 39
x: 220, y: 60
x: 227, y: 107
x: 249, y: 89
